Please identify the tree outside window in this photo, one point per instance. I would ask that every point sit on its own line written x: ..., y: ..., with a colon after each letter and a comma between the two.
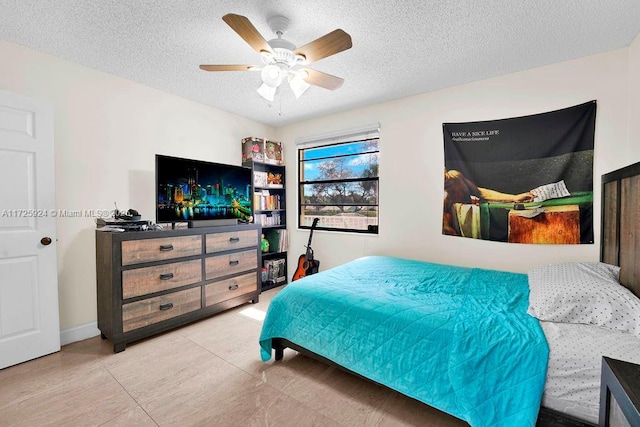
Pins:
x: 338, y: 183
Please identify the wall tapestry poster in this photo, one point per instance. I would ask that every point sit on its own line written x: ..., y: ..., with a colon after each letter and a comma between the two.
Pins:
x: 521, y: 180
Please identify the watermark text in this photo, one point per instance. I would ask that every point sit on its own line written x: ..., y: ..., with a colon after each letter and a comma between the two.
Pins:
x: 57, y: 213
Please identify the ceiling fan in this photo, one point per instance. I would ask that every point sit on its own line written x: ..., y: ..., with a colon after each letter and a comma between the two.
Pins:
x: 281, y: 58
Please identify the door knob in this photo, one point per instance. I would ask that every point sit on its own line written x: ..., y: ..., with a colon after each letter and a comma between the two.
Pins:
x: 45, y: 241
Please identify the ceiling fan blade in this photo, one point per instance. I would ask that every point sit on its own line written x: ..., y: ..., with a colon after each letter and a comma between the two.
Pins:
x: 245, y: 29
x: 324, y: 80
x: 229, y: 67
x: 327, y: 45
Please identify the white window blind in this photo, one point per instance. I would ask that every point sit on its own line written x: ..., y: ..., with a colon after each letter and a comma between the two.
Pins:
x: 370, y: 131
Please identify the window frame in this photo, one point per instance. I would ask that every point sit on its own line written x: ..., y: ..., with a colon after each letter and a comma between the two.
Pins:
x: 334, y: 141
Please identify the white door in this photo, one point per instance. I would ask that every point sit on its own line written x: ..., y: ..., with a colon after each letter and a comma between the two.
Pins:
x: 29, y: 318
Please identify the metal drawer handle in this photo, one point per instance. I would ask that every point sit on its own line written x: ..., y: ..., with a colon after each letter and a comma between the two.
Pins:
x: 166, y: 306
x: 234, y: 262
x: 233, y: 287
x: 166, y: 276
x: 168, y: 247
x: 234, y: 239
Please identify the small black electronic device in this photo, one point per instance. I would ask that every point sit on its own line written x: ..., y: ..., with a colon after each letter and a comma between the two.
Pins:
x: 127, y: 224
x: 130, y: 215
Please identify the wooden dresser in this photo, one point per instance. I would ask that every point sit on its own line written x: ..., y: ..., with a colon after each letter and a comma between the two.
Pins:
x: 152, y: 281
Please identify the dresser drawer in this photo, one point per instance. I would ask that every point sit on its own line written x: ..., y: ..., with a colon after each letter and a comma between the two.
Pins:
x: 146, y: 250
x: 230, y: 288
x: 218, y: 242
x: 142, y: 281
x: 152, y: 310
x: 224, y: 265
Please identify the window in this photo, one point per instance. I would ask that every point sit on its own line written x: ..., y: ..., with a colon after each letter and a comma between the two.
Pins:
x: 338, y: 181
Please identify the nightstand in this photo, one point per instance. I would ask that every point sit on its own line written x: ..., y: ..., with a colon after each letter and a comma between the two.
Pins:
x: 619, y: 393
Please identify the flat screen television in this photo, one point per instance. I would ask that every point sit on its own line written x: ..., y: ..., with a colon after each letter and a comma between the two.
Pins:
x: 196, y: 191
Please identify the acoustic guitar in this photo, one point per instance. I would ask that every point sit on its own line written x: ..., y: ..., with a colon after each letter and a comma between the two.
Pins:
x: 307, y: 265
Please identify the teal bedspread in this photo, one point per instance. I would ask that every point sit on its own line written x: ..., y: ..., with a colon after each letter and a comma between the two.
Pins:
x: 458, y: 339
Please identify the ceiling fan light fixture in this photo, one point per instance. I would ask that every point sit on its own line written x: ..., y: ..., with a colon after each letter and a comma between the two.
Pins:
x: 297, y: 82
x: 271, y: 75
x: 267, y: 92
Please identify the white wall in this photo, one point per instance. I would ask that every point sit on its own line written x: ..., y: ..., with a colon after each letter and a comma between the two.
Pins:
x: 107, y: 131
x: 412, y: 159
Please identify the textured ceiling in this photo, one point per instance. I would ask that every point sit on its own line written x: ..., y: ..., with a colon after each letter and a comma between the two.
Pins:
x: 400, y: 48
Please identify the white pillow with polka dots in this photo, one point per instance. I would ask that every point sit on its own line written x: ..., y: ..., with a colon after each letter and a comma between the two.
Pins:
x: 583, y: 292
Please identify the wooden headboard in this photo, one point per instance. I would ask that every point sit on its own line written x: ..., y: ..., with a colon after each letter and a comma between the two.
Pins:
x: 620, y: 242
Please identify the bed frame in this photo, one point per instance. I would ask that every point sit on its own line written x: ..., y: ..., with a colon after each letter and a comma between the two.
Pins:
x: 619, y: 245
x: 546, y: 417
x: 620, y: 238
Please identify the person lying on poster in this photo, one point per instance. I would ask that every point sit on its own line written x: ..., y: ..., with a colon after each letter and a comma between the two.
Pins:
x: 459, y: 189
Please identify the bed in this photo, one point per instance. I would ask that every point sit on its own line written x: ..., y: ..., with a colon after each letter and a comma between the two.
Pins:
x: 490, y: 347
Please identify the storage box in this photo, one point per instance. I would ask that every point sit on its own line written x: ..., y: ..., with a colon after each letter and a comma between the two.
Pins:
x: 253, y: 149
x: 273, y: 153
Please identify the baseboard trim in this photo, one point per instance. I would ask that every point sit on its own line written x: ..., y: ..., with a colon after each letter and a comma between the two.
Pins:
x: 79, y: 333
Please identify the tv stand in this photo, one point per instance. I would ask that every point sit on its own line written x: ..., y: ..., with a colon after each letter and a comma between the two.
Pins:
x: 151, y: 281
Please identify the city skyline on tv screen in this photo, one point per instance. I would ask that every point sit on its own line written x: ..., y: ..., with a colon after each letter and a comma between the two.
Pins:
x: 188, y: 190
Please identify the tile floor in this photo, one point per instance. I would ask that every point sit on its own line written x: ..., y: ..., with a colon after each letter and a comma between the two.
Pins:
x: 208, y: 373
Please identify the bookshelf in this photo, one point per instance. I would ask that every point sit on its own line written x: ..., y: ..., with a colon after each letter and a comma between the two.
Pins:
x: 269, y: 205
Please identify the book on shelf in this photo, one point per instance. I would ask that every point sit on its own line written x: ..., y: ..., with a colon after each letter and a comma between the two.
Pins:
x: 263, y: 201
x: 283, y: 242
x: 278, y: 240
x: 268, y: 220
